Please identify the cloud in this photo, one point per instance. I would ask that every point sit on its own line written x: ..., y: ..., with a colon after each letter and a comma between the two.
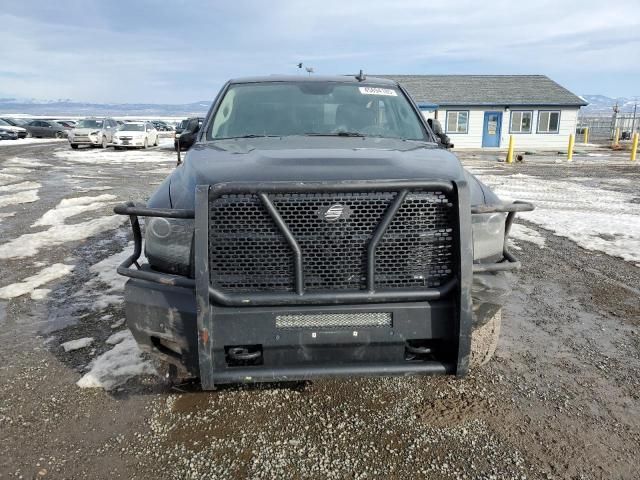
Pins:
x: 178, y: 52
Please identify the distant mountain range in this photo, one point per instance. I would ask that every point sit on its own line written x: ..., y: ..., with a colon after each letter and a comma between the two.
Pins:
x: 598, y: 105
x: 602, y: 105
x: 68, y: 107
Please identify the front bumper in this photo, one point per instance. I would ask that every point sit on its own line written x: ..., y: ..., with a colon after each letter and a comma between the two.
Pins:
x: 85, y: 140
x: 163, y: 319
x: 134, y: 142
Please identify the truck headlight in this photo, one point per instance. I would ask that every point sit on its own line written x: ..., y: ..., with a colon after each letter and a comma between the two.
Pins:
x: 169, y: 244
x: 488, y: 235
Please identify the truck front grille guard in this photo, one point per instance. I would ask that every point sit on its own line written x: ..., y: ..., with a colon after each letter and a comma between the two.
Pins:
x: 371, y: 294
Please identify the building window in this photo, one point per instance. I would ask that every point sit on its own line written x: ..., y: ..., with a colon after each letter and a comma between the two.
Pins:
x: 457, y: 121
x: 548, y: 121
x: 520, y: 122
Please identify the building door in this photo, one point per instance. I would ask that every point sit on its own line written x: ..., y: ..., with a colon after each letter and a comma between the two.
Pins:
x: 492, y: 127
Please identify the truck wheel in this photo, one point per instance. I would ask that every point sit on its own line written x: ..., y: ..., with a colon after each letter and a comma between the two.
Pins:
x: 104, y: 142
x: 74, y: 146
x: 484, y: 340
x: 145, y: 145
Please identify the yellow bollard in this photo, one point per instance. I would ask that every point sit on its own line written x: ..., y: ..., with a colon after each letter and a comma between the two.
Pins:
x: 616, y: 137
x: 586, y: 135
x: 634, y: 147
x: 570, y: 149
x: 510, y: 151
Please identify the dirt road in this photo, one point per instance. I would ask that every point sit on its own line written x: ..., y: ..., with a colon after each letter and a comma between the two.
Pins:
x: 561, y: 400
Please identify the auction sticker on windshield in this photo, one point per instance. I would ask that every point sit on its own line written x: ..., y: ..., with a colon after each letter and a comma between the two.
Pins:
x: 378, y: 91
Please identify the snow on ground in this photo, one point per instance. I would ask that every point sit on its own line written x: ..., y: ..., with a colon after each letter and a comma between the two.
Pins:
x: 6, y: 178
x: 27, y: 196
x: 18, y: 187
x: 18, y: 162
x: 107, y: 276
x: 117, y: 337
x: 4, y: 215
x: 72, y: 345
x: 28, y: 141
x: 526, y: 234
x: 116, y: 366
x: 70, y: 207
x: 60, y: 232
x: 117, y: 157
x: 29, y: 284
x: 594, y: 218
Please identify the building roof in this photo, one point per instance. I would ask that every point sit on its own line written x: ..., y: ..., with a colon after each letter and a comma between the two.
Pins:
x: 471, y: 90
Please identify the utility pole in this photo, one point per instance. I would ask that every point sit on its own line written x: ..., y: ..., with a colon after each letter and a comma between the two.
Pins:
x: 633, y: 122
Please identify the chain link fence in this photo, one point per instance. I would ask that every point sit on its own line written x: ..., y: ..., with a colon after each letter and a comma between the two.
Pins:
x: 602, y: 129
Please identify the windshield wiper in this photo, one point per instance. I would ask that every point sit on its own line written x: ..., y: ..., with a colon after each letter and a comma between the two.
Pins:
x: 336, y: 134
x: 253, y: 135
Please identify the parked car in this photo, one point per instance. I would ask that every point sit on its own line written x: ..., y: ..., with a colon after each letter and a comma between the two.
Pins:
x: 67, y: 123
x: 182, y: 124
x: 19, y: 131
x: 16, y: 122
x: 187, y: 137
x: 8, y: 134
x: 135, y: 134
x: 317, y: 228
x: 94, y: 132
x: 46, y: 128
x: 162, y: 126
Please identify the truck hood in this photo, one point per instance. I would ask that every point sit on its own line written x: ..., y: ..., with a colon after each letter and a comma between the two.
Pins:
x: 308, y: 159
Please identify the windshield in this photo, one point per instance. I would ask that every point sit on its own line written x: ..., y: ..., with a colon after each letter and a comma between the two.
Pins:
x: 88, y: 123
x: 315, y: 108
x: 132, y: 127
x: 5, y: 124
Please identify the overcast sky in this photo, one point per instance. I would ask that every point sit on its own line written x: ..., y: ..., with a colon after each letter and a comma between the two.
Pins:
x: 182, y: 51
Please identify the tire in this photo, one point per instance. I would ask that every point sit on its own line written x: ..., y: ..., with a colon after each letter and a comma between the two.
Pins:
x: 145, y: 144
x: 117, y: 148
x: 484, y: 341
x: 104, y: 142
x: 156, y: 143
x: 59, y: 135
x: 74, y: 146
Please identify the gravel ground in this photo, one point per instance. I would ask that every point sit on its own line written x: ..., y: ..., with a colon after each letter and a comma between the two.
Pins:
x: 560, y: 400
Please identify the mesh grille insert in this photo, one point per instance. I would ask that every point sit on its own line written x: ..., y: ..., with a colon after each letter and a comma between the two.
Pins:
x: 248, y: 253
x: 334, y: 320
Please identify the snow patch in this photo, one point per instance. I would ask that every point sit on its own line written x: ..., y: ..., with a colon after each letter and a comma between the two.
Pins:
x: 27, y: 141
x: 521, y: 232
x: 115, y: 367
x: 40, y: 293
x: 70, y: 207
x: 59, y: 232
x: 72, y: 345
x: 594, y: 218
x: 29, y: 284
x: 28, y: 196
x: 5, y: 178
x: 117, y: 337
x: 4, y: 215
x: 17, y: 187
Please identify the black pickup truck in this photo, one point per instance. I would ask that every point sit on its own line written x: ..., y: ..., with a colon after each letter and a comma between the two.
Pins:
x: 315, y: 228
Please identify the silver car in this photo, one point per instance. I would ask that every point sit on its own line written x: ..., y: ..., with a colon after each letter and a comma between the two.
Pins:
x: 95, y: 132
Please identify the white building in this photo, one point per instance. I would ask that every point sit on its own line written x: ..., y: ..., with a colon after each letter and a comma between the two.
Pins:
x: 482, y: 111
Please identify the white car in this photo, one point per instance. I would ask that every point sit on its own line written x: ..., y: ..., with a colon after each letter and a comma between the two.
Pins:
x: 135, y: 134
